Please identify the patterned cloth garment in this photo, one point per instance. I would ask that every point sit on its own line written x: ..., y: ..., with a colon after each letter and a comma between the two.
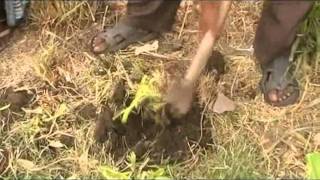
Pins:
x: 15, y: 10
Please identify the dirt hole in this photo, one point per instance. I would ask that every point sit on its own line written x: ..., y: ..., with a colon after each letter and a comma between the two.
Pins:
x: 175, y: 142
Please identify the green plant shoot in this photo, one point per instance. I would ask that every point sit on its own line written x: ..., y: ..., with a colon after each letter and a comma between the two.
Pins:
x: 135, y: 171
x: 146, y: 91
x: 313, y: 165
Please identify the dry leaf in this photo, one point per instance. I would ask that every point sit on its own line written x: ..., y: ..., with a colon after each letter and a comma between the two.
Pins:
x: 56, y: 144
x: 223, y: 104
x: 147, y: 48
x: 26, y: 164
x: 316, y: 139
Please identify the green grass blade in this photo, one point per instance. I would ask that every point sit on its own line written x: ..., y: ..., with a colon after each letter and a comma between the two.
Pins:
x: 313, y: 165
x: 110, y: 173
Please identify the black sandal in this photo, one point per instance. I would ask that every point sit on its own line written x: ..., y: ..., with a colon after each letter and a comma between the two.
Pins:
x: 119, y: 37
x: 279, y: 86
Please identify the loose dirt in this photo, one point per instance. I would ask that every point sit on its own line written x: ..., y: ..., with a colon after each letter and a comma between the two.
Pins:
x: 174, y: 142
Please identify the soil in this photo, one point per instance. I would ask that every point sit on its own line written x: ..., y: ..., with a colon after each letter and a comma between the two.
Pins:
x: 144, y: 136
x: 16, y: 99
x: 119, y: 93
x: 86, y: 111
x: 67, y: 140
x: 216, y: 63
x: 173, y: 142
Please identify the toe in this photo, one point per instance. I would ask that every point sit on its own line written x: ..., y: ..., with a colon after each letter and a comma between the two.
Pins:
x: 99, y: 44
x: 283, y: 97
x: 273, y: 96
x: 288, y: 94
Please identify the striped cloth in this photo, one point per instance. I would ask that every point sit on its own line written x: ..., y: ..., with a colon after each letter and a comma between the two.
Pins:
x: 15, y: 10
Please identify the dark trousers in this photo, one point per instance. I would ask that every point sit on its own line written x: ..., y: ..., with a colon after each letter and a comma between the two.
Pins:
x: 275, y: 34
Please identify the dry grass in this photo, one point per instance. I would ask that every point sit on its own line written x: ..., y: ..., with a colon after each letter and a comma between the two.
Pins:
x: 51, y: 56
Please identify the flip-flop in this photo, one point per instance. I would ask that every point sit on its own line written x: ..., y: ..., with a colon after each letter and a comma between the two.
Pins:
x: 119, y: 37
x: 279, y: 86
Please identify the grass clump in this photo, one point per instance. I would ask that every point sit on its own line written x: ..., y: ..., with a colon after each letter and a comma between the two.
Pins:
x: 133, y: 170
x: 64, y: 14
x: 238, y: 159
x: 308, y: 41
x: 43, y: 65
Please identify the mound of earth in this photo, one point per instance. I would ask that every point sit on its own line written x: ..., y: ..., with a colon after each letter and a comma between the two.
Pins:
x: 173, y: 142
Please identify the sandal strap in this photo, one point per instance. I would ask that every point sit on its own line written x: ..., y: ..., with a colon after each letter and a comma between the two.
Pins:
x: 122, y: 35
x: 280, y: 76
x: 120, y: 32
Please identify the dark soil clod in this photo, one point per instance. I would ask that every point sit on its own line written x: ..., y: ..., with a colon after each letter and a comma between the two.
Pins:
x: 87, y: 111
x: 67, y: 140
x: 216, y: 63
x: 16, y: 99
x: 103, y: 124
x: 145, y: 136
x: 119, y: 93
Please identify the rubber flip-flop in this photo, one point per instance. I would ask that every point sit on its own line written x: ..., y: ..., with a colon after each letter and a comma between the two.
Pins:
x: 279, y: 86
x: 119, y: 37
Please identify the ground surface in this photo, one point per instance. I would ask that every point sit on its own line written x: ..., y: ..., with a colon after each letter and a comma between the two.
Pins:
x: 59, y: 91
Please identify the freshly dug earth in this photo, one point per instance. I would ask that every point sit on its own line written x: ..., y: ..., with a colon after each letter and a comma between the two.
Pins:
x: 173, y: 142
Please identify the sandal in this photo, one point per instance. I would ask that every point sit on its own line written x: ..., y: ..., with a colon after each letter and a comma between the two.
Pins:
x: 119, y: 37
x: 279, y: 86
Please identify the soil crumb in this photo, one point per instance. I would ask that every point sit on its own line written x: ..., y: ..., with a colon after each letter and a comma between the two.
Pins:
x: 216, y: 63
x: 175, y: 142
x: 86, y: 111
x: 16, y: 99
